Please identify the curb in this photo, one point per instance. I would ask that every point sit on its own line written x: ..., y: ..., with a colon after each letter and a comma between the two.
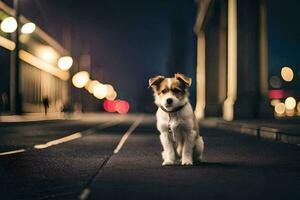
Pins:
x: 261, y: 132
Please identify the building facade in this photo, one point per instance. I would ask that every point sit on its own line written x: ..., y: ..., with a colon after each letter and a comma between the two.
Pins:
x: 234, y: 52
x: 39, y: 75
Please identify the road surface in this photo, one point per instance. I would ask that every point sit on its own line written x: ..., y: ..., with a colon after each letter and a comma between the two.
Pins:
x: 118, y: 157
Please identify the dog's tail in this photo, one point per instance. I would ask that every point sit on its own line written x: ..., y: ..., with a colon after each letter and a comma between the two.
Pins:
x: 199, y: 149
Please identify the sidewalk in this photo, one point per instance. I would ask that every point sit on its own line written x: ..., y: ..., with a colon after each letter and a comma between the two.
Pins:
x: 31, y: 117
x: 283, y: 130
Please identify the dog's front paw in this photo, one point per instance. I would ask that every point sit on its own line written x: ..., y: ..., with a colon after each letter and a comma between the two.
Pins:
x: 186, y: 162
x: 168, y: 162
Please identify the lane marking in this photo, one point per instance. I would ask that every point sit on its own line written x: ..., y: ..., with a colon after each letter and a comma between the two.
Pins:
x: 12, y: 152
x: 65, y: 139
x: 58, y: 141
x: 127, y: 134
x: 87, y: 190
x: 75, y: 135
x: 84, y: 194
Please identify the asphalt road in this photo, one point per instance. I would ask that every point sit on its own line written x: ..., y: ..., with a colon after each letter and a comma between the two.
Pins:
x: 119, y: 158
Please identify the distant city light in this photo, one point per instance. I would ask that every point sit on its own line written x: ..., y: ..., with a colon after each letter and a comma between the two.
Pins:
x: 9, y: 25
x: 91, y: 85
x: 298, y: 107
x: 111, y: 93
x: 100, y: 91
x: 280, y: 108
x: 46, y: 53
x: 28, y: 28
x: 290, y: 113
x: 80, y: 79
x: 122, y: 107
x: 109, y: 106
x: 287, y: 74
x: 276, y: 94
x: 290, y: 103
x: 275, y: 82
x: 112, y: 96
x: 274, y: 102
x: 110, y: 89
x: 65, y: 63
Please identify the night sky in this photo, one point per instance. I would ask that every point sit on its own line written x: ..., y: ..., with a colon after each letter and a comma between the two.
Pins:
x: 129, y: 41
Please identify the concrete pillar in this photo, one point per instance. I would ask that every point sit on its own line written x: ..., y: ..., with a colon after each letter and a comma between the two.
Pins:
x: 215, y: 63
x: 247, y: 60
x: 247, y: 102
x: 200, y: 76
x: 265, y: 109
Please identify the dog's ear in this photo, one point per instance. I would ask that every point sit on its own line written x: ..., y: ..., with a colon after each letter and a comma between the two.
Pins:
x: 155, y: 80
x: 184, y: 79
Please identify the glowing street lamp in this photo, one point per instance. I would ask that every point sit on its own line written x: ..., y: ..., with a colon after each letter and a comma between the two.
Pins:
x: 287, y: 74
x: 91, y: 85
x: 100, y: 91
x: 280, y: 109
x: 28, y: 28
x: 290, y: 103
x: 65, y: 63
x: 80, y: 79
x: 9, y: 25
x: 112, y: 96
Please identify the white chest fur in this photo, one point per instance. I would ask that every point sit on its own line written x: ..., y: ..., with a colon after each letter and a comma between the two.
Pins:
x: 183, y: 119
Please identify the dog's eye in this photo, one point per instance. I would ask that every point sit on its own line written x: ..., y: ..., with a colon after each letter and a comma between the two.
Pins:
x: 176, y: 91
x: 164, y: 91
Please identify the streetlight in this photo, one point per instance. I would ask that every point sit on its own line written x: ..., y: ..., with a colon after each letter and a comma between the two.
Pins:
x: 65, y: 63
x: 91, y: 85
x: 100, y: 91
x: 9, y: 25
x: 80, y: 79
x: 287, y: 74
x: 28, y: 28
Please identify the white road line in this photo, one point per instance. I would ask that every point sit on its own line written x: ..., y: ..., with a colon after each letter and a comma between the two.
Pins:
x: 84, y: 194
x: 73, y: 136
x: 127, y: 134
x: 12, y: 152
x: 58, y: 141
x: 62, y: 140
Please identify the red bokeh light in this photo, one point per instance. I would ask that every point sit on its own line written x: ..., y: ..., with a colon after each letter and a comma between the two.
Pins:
x: 109, y: 106
x: 276, y: 94
x: 122, y: 107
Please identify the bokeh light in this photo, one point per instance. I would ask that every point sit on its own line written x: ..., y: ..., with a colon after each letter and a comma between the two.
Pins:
x: 65, y: 63
x: 275, y: 82
x: 122, y: 107
x: 109, y: 106
x: 274, y: 102
x: 290, y: 103
x: 280, y: 109
x: 298, y: 107
x: 110, y: 89
x: 287, y: 74
x: 46, y: 53
x: 80, y: 79
x: 28, y: 28
x: 91, y: 85
x: 100, y: 91
x: 9, y: 25
x: 276, y: 94
x: 112, y: 97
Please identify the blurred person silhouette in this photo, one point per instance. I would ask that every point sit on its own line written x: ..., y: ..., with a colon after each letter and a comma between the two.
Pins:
x: 46, y: 104
x: 4, y: 102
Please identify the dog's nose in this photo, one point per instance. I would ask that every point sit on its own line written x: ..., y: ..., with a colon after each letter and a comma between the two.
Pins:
x: 169, y: 101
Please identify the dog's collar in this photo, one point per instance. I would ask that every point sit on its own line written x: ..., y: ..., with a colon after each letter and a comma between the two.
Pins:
x: 174, y: 110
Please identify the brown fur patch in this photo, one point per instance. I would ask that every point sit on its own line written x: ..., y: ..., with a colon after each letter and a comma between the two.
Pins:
x: 176, y: 88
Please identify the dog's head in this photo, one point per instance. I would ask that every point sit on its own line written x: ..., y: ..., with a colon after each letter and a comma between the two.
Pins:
x: 170, y: 92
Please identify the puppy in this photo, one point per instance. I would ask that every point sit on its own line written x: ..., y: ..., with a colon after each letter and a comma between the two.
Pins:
x: 176, y: 122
